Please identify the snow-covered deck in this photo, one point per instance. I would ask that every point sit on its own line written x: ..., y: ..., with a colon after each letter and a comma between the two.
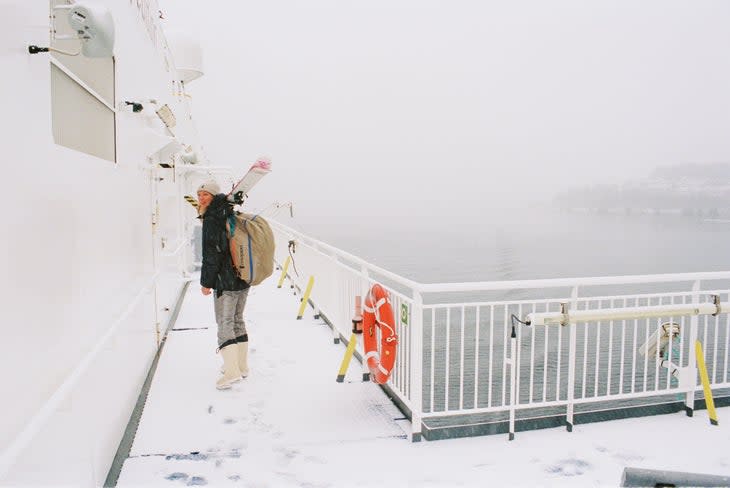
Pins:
x: 291, y: 424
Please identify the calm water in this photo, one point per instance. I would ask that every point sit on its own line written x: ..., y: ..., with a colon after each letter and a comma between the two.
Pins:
x: 530, y: 244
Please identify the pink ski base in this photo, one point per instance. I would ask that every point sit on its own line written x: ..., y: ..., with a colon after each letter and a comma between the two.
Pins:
x: 261, y: 167
x: 262, y: 163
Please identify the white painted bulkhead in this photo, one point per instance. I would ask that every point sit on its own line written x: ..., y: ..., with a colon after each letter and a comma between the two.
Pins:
x: 91, y: 272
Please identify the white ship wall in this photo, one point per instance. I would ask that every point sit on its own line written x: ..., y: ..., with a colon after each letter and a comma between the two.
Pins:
x: 78, y: 249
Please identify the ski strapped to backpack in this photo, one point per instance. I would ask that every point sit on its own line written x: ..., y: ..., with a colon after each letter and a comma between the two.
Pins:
x: 252, y: 247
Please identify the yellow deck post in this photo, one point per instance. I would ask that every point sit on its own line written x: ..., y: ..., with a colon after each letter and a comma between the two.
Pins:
x: 348, y: 357
x: 283, y: 271
x: 305, y: 298
x: 706, y: 383
x: 191, y: 200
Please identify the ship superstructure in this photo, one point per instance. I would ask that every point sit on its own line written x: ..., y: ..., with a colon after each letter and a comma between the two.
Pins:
x: 97, y: 251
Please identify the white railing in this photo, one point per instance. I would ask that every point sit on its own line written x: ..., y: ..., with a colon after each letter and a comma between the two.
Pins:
x: 338, y: 278
x: 457, y: 357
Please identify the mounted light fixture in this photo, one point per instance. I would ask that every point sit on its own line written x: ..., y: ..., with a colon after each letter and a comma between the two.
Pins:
x: 136, y: 106
x: 94, y: 26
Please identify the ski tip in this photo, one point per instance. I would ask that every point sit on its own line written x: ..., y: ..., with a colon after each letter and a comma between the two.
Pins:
x: 262, y: 162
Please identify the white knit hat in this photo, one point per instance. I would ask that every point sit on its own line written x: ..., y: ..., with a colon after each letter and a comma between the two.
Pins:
x: 211, y: 187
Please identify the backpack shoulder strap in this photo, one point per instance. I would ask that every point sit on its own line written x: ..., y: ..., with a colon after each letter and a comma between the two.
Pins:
x: 231, y: 225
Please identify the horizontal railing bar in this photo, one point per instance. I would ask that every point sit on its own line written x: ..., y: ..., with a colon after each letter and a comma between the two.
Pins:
x: 584, y: 299
x: 357, y: 273
x: 570, y: 282
x: 493, y: 303
x: 574, y: 316
x: 563, y: 403
x: 544, y: 301
x: 384, y: 272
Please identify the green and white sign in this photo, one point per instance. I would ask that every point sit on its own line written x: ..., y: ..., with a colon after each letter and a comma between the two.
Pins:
x: 404, y: 313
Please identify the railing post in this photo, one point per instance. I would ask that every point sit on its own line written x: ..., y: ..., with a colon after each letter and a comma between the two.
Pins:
x: 320, y: 296
x: 512, y: 361
x: 416, y: 372
x: 571, y: 362
x: 364, y: 293
x: 689, y: 396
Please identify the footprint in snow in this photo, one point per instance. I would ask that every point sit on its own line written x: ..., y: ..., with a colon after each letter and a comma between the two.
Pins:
x: 286, y: 455
x: 176, y: 476
x: 569, y: 467
x: 628, y: 457
x: 315, y: 460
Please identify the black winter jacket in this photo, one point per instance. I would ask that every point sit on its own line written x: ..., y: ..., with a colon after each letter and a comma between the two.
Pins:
x: 217, y: 271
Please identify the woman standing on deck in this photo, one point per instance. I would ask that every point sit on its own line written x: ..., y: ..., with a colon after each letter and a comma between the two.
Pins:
x: 217, y: 273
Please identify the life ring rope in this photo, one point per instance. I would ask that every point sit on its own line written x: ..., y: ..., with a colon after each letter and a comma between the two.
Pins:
x: 376, y: 310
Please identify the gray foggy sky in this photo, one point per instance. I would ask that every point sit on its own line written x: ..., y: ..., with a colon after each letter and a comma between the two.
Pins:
x: 417, y: 105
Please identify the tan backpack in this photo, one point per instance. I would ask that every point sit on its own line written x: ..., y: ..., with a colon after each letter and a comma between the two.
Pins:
x: 252, y: 247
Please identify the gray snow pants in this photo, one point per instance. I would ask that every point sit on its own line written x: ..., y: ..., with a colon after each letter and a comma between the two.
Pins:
x: 229, y: 317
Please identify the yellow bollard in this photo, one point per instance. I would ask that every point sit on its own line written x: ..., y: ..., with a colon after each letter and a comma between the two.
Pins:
x: 305, y: 298
x: 706, y: 383
x: 283, y: 271
x: 348, y: 356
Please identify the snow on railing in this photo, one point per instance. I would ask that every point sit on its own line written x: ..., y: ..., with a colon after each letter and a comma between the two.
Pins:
x: 457, y: 355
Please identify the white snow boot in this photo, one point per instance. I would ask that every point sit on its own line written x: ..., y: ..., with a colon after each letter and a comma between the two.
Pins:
x: 231, y: 373
x: 243, y: 358
x: 242, y: 349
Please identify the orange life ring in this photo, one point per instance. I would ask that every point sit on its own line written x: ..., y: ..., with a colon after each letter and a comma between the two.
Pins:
x: 377, y: 312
